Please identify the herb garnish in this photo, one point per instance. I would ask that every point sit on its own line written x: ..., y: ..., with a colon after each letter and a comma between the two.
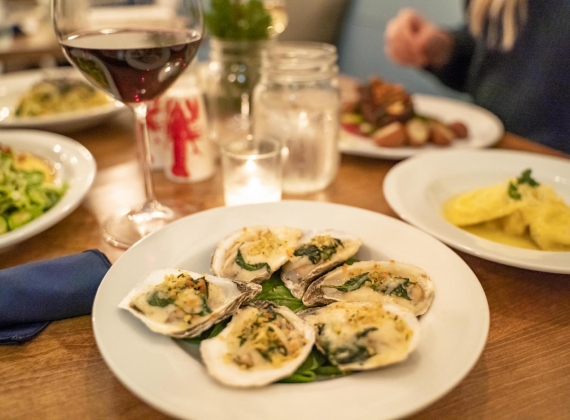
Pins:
x: 250, y: 267
x: 514, y: 192
x: 525, y: 178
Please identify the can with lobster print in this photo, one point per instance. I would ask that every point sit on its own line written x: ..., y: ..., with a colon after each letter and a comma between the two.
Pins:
x: 188, y: 152
x: 156, y: 133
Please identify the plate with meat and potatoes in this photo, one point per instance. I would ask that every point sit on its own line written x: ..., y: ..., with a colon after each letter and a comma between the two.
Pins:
x: 388, y: 122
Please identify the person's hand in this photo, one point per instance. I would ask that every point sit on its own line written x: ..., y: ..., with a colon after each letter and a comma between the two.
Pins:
x: 411, y: 40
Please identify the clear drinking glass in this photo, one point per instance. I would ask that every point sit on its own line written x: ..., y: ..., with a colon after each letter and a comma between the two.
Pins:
x: 133, y: 52
x: 251, y: 170
x: 298, y: 102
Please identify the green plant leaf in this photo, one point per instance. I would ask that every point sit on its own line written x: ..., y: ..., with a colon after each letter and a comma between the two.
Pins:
x: 238, y: 20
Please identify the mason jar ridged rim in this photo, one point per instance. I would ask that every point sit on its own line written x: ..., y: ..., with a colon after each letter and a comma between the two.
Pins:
x: 299, y: 60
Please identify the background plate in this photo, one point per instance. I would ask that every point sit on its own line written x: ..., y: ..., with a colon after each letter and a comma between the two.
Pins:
x: 152, y: 366
x: 74, y: 164
x: 417, y: 188
x: 485, y: 129
x: 14, y: 85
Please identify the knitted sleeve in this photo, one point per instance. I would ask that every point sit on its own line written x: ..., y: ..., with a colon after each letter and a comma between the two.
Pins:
x: 454, y: 74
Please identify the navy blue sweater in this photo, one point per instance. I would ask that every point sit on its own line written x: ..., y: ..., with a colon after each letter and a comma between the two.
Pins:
x: 528, y: 88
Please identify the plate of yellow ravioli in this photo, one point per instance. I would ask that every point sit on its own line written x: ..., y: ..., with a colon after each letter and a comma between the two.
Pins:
x: 505, y: 206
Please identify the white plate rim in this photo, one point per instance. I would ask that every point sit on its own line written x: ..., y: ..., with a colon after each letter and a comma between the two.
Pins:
x: 550, y: 262
x: 75, y: 158
x: 353, y: 144
x: 77, y: 119
x: 106, y: 315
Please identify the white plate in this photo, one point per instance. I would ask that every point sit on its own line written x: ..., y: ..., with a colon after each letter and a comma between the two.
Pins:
x: 161, y: 373
x: 74, y: 164
x: 417, y: 188
x: 14, y: 85
x: 485, y: 129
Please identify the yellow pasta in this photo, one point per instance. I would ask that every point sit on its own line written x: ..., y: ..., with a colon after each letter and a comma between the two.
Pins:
x: 54, y: 96
x: 520, y: 212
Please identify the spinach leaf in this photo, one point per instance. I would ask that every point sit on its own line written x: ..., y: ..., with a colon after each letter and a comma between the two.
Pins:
x: 316, y: 365
x: 275, y: 291
x: 328, y: 251
x: 206, y: 310
x: 312, y: 252
x: 210, y: 333
x: 401, y: 290
x: 351, y: 284
x: 329, y: 370
x: 351, y: 261
x: 365, y: 332
x: 250, y: 267
x: 155, y: 300
x: 350, y: 354
x: 316, y: 254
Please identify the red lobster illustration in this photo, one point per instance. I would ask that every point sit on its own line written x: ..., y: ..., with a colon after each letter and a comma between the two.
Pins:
x: 180, y: 128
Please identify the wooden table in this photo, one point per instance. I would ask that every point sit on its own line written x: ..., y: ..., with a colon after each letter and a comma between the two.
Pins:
x: 523, y: 373
x: 40, y: 48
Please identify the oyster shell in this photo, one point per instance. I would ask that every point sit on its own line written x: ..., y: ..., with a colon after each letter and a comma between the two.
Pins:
x: 363, y: 335
x: 319, y: 252
x: 252, y: 254
x: 182, y: 303
x: 262, y: 343
x: 374, y: 281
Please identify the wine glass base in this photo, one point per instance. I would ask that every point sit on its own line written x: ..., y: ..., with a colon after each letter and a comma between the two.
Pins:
x: 125, y: 229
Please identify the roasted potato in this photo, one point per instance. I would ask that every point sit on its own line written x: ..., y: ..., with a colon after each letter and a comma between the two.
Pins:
x: 391, y: 135
x: 417, y: 132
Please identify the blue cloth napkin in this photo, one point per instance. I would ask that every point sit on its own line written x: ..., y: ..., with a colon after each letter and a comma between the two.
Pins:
x: 32, y: 295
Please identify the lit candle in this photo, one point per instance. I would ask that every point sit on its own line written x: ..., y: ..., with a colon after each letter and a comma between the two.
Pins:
x: 252, y: 184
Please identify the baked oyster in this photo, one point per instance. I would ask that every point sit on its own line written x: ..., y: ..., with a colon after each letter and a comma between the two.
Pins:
x: 252, y: 254
x: 262, y: 343
x: 374, y: 281
x: 319, y: 252
x: 363, y: 335
x: 182, y: 303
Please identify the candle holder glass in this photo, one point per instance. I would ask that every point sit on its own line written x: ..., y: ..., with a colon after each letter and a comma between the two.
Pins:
x: 251, y: 170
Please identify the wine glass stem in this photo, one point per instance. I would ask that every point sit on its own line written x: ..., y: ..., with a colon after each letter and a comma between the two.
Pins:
x: 143, y: 143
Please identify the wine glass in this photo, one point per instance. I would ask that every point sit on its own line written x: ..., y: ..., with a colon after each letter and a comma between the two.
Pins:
x: 133, y: 50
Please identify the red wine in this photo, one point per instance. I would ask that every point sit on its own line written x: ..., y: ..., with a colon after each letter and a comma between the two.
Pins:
x: 132, y: 65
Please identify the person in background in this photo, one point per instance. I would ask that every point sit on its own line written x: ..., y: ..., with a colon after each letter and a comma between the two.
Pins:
x: 511, y: 56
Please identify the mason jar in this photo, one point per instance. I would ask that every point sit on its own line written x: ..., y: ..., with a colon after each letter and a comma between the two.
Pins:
x: 298, y: 101
x: 233, y: 71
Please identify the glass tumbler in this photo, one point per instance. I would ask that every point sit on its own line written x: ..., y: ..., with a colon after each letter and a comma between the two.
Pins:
x: 251, y: 170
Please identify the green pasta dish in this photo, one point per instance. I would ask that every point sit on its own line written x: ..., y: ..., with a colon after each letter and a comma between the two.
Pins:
x: 27, y: 188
